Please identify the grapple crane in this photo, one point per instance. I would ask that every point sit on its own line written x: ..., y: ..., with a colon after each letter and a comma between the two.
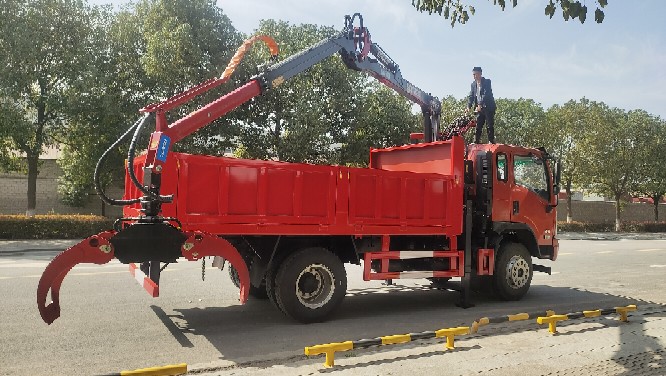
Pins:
x: 151, y: 239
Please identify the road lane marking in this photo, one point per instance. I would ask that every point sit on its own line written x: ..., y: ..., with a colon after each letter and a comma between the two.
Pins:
x: 658, y: 266
x: 602, y: 252
x: 564, y: 253
x: 44, y: 264
x: 84, y: 274
x: 649, y: 250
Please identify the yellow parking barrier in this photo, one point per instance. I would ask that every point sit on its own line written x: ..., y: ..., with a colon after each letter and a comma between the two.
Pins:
x: 595, y: 313
x: 329, y: 349
x: 623, y: 311
x: 552, y: 321
x: 395, y: 339
x: 500, y: 319
x: 450, y: 334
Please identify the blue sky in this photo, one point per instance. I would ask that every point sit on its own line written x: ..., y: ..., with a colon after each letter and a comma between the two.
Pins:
x: 619, y: 62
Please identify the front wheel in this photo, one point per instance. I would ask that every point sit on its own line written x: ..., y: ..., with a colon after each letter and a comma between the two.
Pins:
x: 513, y: 272
x: 310, y: 284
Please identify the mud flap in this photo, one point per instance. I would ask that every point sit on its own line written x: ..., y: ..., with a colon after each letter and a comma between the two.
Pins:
x: 96, y: 249
x: 200, y: 244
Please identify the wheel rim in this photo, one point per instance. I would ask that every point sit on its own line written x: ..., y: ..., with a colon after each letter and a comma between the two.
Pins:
x: 517, y: 272
x: 315, y: 286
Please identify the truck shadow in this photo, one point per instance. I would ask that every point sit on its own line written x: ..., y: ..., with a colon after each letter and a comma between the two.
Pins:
x: 258, y: 331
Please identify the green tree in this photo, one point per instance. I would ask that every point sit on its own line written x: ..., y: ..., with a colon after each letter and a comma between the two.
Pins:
x: 652, y: 178
x: 151, y: 51
x: 459, y: 11
x: 612, y: 157
x: 44, y: 44
x: 385, y: 120
x: 520, y: 122
x: 300, y: 119
x: 565, y: 135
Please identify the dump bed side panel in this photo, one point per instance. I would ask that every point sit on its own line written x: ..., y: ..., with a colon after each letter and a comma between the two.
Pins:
x: 226, y: 190
x: 240, y: 196
x: 441, y: 157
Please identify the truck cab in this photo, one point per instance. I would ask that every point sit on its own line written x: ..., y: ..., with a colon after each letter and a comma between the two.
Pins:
x: 514, y: 196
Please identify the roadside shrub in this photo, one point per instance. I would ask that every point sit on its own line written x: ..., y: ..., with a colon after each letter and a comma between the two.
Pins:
x: 52, y: 226
x: 610, y: 227
x: 643, y: 226
x: 585, y: 227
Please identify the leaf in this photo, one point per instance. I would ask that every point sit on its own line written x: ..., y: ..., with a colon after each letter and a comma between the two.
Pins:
x: 599, y: 15
x: 583, y: 14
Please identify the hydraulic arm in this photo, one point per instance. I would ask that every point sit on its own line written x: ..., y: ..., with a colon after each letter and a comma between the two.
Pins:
x: 152, y: 239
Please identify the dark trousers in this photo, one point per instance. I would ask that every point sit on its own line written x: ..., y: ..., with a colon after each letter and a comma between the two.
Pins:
x: 485, y: 116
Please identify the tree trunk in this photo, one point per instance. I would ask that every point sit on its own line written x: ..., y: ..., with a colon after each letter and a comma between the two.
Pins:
x: 655, y: 202
x: 33, y: 171
x: 618, y: 221
x: 33, y: 152
x: 569, y: 209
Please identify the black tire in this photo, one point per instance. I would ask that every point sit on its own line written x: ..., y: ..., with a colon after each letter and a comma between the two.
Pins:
x: 270, y: 285
x: 255, y: 292
x: 513, y: 272
x: 310, y: 284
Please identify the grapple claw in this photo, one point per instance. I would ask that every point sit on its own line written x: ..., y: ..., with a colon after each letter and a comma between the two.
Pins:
x: 96, y: 249
x: 200, y: 244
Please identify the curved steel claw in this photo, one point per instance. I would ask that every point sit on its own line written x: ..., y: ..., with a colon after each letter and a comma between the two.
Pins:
x: 200, y: 244
x: 95, y: 249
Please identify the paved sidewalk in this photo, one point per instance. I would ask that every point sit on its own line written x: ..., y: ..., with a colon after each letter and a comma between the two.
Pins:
x: 598, y: 346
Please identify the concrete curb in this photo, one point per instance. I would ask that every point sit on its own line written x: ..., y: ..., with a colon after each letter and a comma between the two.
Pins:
x: 53, y: 245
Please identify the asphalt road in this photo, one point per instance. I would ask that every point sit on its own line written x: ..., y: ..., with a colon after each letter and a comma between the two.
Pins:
x: 108, y: 323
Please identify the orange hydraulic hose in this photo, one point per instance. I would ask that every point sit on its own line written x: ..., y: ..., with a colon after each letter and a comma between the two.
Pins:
x: 240, y: 52
x: 182, y: 98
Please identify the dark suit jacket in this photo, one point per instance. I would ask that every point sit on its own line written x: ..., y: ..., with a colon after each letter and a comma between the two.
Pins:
x: 487, y: 100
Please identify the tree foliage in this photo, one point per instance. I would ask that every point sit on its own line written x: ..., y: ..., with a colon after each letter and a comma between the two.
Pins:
x: 459, y: 11
x: 327, y: 114
x: 145, y: 53
x: 44, y: 45
x: 567, y: 127
x: 300, y: 119
x: 385, y: 119
x: 613, y: 154
x: 520, y: 122
x: 652, y: 174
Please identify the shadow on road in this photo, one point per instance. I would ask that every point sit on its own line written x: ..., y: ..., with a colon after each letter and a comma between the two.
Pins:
x: 639, y: 352
x: 258, y: 331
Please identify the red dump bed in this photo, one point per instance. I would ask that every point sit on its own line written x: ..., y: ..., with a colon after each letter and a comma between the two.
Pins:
x: 413, y: 189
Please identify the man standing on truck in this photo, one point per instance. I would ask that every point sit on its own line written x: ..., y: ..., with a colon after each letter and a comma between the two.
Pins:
x: 481, y: 96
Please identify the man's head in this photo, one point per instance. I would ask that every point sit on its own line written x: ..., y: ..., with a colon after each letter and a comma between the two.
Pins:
x: 476, y: 72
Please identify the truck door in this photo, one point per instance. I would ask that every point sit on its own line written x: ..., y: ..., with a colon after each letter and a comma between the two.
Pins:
x: 530, y: 196
x: 501, y: 189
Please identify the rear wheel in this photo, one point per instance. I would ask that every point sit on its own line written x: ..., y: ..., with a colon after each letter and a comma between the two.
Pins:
x: 513, y: 272
x: 270, y: 285
x: 310, y: 284
x: 256, y: 292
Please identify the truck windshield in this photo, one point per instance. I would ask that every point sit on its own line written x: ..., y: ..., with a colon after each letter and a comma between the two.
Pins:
x: 530, y: 172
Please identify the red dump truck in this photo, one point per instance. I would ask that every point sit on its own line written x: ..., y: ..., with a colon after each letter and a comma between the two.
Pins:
x: 438, y: 209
